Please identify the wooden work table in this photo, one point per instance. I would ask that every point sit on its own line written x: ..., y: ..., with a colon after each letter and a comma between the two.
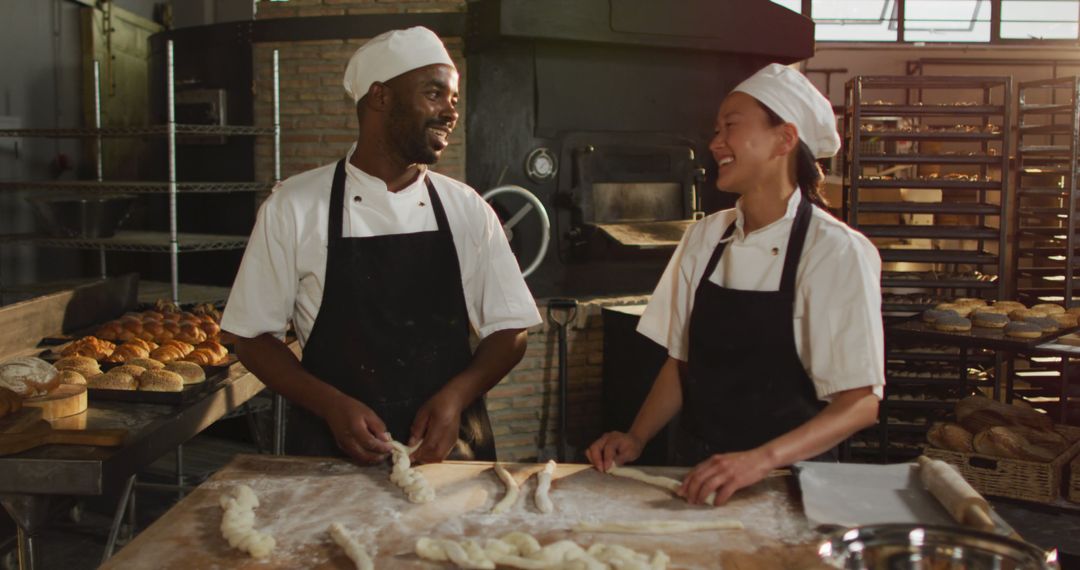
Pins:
x: 301, y: 497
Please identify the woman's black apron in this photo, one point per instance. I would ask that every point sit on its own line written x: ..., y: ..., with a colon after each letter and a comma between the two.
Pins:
x: 743, y: 383
x: 392, y: 330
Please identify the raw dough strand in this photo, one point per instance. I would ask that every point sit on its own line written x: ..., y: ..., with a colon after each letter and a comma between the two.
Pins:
x: 658, y: 527
x: 543, y: 487
x: 522, y: 551
x: 353, y: 549
x: 512, y: 490
x: 238, y: 523
x: 654, y: 480
x: 416, y: 487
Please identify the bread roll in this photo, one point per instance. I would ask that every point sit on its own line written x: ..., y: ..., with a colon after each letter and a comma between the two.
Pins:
x: 190, y: 333
x: 191, y: 372
x: 973, y: 301
x: 172, y: 327
x: 1025, y: 314
x: 147, y: 363
x: 28, y: 376
x: 170, y: 317
x: 161, y: 381
x: 89, y: 346
x: 166, y: 307
x: 1015, y: 415
x: 960, y: 310
x: 75, y: 362
x: 1003, y: 442
x: 71, y: 376
x: 154, y: 328
x: 1009, y: 305
x: 1051, y: 441
x: 150, y: 316
x: 109, y: 331
x: 1064, y: 320
x: 1049, y: 308
x: 211, y: 329
x: 950, y: 436
x: 112, y: 380
x: 133, y: 370
x: 216, y: 348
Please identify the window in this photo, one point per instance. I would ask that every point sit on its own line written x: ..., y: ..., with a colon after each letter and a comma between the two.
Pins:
x: 854, y: 20
x: 947, y: 21
x: 1039, y: 19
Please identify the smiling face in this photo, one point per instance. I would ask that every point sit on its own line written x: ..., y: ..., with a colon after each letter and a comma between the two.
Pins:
x: 423, y: 113
x: 747, y: 148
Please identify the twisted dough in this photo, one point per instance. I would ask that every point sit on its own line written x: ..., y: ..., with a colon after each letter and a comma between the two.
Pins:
x: 238, y: 523
x: 655, y: 480
x: 416, y: 487
x: 520, y: 550
x: 353, y: 549
x: 543, y: 485
x: 512, y: 490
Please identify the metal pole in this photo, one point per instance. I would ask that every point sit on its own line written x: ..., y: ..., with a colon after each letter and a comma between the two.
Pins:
x: 27, y: 549
x: 170, y: 105
x: 562, y: 392
x: 180, y: 471
x: 98, y: 150
x: 118, y: 517
x: 277, y: 122
x: 279, y: 424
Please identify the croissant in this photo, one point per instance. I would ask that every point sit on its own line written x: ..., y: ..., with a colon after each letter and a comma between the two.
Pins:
x: 89, y: 346
x: 180, y: 345
x: 109, y: 331
x: 151, y: 316
x: 132, y: 324
x: 218, y: 350
x: 191, y: 334
x: 167, y: 353
x: 171, y: 326
x: 164, y: 336
x: 211, y: 329
x: 200, y: 356
x: 141, y: 343
x: 126, y: 352
x: 155, y: 328
x: 126, y: 335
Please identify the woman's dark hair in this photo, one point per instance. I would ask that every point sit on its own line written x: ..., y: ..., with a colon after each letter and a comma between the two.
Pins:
x: 807, y: 172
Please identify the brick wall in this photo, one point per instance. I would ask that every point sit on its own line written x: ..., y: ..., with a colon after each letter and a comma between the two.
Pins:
x: 524, y: 406
x: 318, y: 120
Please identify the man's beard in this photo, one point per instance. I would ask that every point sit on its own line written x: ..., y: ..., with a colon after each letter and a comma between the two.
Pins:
x: 411, y: 142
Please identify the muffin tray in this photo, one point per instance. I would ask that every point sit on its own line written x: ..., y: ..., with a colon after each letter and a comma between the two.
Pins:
x: 190, y: 393
x: 978, y: 337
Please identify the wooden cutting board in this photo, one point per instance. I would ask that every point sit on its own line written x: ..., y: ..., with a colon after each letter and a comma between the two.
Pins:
x: 25, y: 430
x: 66, y: 400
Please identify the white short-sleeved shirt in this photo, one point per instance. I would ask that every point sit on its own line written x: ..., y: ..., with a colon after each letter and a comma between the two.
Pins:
x: 839, y: 333
x: 282, y: 275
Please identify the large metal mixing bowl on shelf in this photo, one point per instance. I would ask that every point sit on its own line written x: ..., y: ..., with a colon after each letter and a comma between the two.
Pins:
x: 69, y: 215
x: 925, y: 547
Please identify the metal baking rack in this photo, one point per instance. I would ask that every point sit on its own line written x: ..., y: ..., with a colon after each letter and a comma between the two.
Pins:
x: 925, y: 177
x: 172, y: 242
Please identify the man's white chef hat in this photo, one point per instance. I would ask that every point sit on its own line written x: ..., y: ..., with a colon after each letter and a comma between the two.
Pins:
x: 390, y: 54
x: 791, y: 96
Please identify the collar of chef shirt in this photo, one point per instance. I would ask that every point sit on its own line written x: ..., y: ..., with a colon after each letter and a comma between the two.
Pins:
x: 372, y: 190
x: 739, y: 236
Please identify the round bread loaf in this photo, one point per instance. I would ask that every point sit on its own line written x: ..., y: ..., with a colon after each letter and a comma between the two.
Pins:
x: 950, y: 436
x: 995, y: 310
x: 1025, y: 314
x: 161, y: 381
x: 112, y: 380
x: 75, y: 362
x: 147, y: 363
x: 973, y: 301
x: 989, y: 320
x: 1074, y: 311
x: 28, y: 376
x: 953, y: 324
x: 69, y: 376
x: 932, y: 315
x: 1009, y: 305
x: 191, y: 372
x: 1020, y: 329
x: 1045, y: 323
x: 1049, y: 308
x: 961, y: 310
x: 135, y: 371
x: 1064, y: 320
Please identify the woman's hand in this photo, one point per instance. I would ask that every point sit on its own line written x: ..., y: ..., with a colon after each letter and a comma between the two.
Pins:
x: 613, y: 448
x: 725, y: 473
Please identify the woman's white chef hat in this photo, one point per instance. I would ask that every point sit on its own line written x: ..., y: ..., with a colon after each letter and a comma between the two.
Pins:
x: 390, y: 54
x: 791, y: 96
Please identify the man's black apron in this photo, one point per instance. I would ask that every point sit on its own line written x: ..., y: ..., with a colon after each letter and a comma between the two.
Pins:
x: 743, y: 384
x: 391, y: 331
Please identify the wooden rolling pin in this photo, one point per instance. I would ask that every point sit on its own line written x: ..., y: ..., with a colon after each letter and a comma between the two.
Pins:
x: 963, y: 502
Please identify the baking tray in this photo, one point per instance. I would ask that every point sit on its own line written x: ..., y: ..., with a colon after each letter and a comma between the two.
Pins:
x: 214, y: 376
x: 977, y: 337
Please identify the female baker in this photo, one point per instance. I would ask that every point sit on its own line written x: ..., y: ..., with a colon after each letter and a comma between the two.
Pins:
x: 770, y: 311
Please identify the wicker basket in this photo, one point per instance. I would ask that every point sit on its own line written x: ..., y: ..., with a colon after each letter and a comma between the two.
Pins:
x: 1013, y: 478
x: 1074, y: 480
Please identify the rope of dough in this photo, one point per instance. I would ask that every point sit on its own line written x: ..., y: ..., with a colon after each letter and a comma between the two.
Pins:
x: 238, y: 523
x: 948, y: 486
x: 416, y: 487
x: 543, y: 486
x: 654, y: 480
x: 522, y: 551
x: 658, y: 527
x: 512, y: 490
x: 353, y: 549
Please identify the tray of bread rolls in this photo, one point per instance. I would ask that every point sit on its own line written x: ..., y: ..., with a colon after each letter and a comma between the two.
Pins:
x: 1002, y: 325
x: 162, y: 355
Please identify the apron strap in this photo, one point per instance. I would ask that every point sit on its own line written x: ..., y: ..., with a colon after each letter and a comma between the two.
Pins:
x: 717, y: 253
x: 337, y: 203
x: 436, y: 205
x: 796, y: 240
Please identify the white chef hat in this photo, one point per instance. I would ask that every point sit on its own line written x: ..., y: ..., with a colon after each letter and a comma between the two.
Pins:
x: 390, y: 54
x: 791, y: 96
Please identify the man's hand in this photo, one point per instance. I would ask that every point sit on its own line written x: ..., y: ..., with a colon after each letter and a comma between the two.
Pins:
x: 437, y: 424
x: 359, y: 431
x: 724, y: 473
x: 613, y: 448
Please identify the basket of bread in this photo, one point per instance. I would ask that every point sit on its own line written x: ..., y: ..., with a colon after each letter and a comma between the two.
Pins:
x: 1006, y: 450
x: 162, y: 349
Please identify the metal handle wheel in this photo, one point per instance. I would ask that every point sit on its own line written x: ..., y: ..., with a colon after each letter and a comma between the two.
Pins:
x: 513, y: 205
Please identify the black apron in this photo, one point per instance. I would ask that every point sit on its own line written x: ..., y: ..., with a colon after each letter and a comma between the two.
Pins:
x: 392, y: 330
x: 743, y: 383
